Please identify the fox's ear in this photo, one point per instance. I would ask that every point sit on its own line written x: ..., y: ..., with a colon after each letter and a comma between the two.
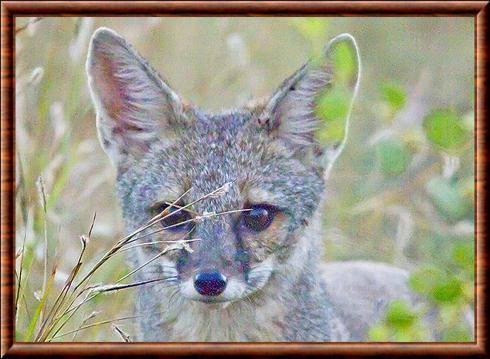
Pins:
x: 309, y: 112
x: 134, y: 105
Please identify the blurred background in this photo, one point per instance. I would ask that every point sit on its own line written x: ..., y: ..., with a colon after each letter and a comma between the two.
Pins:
x: 402, y: 192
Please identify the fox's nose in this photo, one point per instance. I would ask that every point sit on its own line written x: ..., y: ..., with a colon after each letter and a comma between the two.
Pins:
x: 210, y: 283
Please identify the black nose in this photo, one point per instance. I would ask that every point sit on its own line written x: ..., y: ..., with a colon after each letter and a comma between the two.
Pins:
x: 210, y: 283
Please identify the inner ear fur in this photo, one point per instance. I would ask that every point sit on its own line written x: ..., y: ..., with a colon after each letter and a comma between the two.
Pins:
x: 134, y: 105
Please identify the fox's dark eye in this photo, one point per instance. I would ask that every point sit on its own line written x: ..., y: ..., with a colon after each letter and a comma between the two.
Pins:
x: 173, y: 216
x: 259, y: 217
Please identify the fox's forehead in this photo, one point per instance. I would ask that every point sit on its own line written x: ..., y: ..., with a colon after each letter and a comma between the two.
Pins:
x: 221, y: 149
x: 220, y: 128
x: 211, y: 151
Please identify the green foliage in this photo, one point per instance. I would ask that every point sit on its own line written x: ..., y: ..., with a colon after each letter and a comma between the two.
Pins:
x: 311, y: 27
x: 446, y: 291
x: 392, y: 156
x: 438, y: 198
x: 400, y: 316
x: 394, y: 95
x: 314, y: 30
x: 438, y: 286
x: 457, y: 334
x: 365, y: 182
x: 401, y: 324
x: 446, y: 197
x: 450, y: 290
x: 445, y: 130
x: 29, y: 333
x: 463, y: 255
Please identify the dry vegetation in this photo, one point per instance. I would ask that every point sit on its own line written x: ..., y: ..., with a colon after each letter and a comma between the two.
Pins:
x: 402, y: 192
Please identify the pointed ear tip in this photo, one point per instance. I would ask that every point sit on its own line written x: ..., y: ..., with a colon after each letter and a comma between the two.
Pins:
x: 104, y: 34
x: 101, y: 37
x: 344, y: 38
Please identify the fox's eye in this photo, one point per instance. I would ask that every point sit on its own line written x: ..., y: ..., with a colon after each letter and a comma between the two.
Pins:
x: 259, y: 217
x: 173, y: 216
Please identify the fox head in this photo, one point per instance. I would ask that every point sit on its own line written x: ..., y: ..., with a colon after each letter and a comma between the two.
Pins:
x: 239, y: 190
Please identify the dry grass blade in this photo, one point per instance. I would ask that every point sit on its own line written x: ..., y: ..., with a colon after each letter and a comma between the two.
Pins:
x: 220, y: 191
x: 121, y: 333
x: 64, y: 306
x: 168, y: 248
x: 84, y: 322
x: 58, y: 304
x: 30, y: 332
x: 91, y: 326
x: 116, y: 287
x: 70, y: 311
x: 161, y: 215
x: 42, y: 195
x: 157, y: 242
x: 92, y: 225
x: 31, y: 22
x: 48, y: 324
x: 195, y: 219
x: 19, y: 279
x: 120, y: 244
x: 181, y: 207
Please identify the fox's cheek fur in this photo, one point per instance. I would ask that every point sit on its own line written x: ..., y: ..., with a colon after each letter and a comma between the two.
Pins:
x: 261, y: 245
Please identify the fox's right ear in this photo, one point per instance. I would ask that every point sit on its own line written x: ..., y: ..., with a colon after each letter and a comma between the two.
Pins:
x: 134, y: 105
x: 311, y: 108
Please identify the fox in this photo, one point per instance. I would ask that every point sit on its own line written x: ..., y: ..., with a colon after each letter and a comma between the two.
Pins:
x: 235, y: 200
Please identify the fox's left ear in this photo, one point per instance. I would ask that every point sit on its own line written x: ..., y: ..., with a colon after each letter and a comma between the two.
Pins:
x: 309, y: 113
x: 135, y: 107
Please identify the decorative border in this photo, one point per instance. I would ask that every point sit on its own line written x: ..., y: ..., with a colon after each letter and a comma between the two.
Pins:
x: 11, y: 9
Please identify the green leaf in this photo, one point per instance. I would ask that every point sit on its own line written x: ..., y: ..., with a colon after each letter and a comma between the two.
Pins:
x: 394, y: 95
x: 437, y: 285
x: 311, y: 27
x: 399, y: 315
x: 379, y: 333
x: 423, y: 280
x: 392, y: 157
x: 448, y: 291
x: 446, y: 197
x: 29, y: 335
x: 445, y: 130
x: 457, y: 334
x: 466, y: 188
x: 463, y: 255
x: 314, y: 30
x: 448, y: 314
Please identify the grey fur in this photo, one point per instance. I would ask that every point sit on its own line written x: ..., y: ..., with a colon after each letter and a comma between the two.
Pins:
x: 268, y: 150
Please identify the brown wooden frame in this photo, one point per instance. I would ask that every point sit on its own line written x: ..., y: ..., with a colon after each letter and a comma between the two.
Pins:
x: 10, y: 9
